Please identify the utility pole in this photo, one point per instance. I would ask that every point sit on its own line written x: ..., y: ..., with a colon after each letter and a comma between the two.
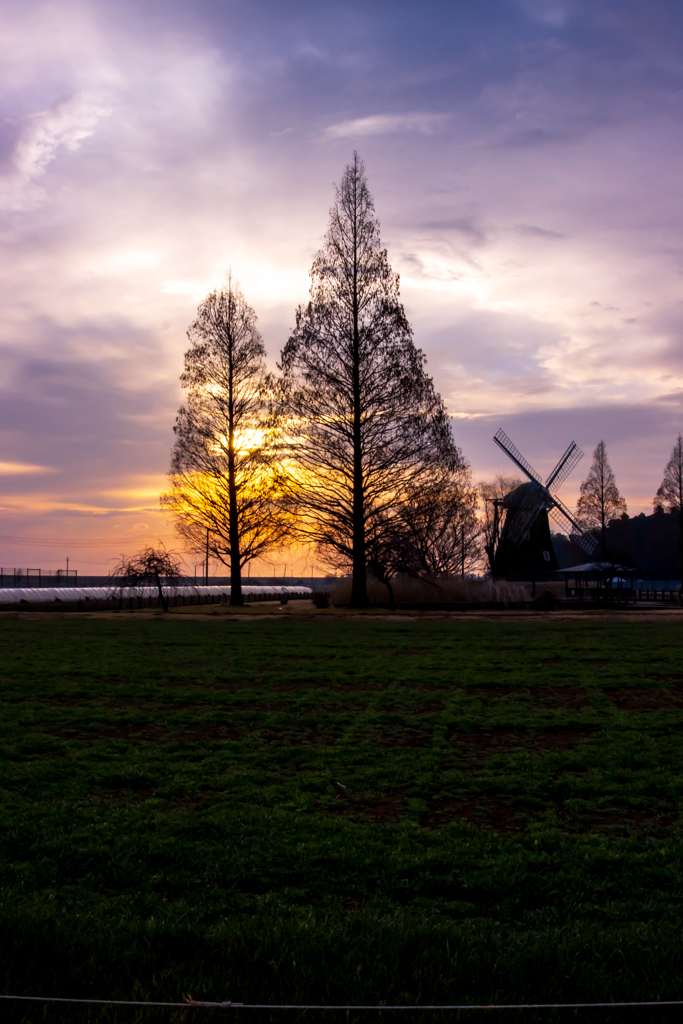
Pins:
x: 207, y: 557
x: 462, y: 548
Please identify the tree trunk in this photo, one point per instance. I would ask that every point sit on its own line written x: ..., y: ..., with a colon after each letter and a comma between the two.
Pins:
x: 235, y: 567
x: 359, y: 583
x: 162, y: 598
x: 235, y: 560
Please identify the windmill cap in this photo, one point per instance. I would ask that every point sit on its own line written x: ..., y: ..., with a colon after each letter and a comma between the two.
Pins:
x: 524, y: 495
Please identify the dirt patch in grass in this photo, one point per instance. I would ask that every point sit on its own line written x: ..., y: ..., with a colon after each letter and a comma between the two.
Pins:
x: 490, y: 691
x: 491, y: 811
x: 617, y: 817
x: 286, y: 738
x: 292, y: 687
x: 204, y: 684
x: 648, y: 818
x: 546, y: 696
x: 160, y: 734
x: 497, y: 739
x: 561, y: 697
x: 384, y: 809
x: 403, y: 738
x: 631, y: 698
x: 498, y: 813
x: 126, y: 794
x: 207, y: 733
x: 263, y: 708
x: 130, y: 796
x: 419, y: 709
x: 508, y: 739
x: 561, y: 739
x: 414, y: 687
x: 141, y: 731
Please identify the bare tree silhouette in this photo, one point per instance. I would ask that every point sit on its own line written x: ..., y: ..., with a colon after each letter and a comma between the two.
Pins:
x: 225, y: 480
x: 491, y: 491
x: 670, y: 491
x: 151, y: 567
x: 360, y: 418
x: 600, y: 500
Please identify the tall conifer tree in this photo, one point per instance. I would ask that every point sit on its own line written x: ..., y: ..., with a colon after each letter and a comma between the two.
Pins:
x: 360, y: 418
x: 670, y: 492
x: 600, y: 500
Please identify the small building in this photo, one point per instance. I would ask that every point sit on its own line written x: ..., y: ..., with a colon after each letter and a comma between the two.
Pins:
x: 600, y: 582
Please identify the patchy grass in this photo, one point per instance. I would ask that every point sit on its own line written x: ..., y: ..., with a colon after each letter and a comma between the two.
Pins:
x: 341, y: 811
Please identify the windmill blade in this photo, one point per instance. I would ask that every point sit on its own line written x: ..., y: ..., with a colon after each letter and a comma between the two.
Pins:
x: 504, y: 442
x: 562, y: 515
x: 567, y: 514
x: 567, y: 463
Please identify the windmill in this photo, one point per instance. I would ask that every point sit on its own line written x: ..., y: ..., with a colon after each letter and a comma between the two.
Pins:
x: 521, y: 540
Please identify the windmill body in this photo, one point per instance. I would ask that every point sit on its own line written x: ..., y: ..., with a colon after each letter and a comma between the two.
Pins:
x: 522, y: 544
x: 533, y: 555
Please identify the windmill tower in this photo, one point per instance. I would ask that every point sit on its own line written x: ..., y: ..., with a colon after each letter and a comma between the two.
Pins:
x: 521, y: 535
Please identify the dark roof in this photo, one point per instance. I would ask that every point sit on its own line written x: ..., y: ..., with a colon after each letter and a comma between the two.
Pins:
x: 595, y: 567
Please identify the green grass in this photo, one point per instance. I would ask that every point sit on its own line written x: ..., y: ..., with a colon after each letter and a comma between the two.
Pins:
x: 341, y: 811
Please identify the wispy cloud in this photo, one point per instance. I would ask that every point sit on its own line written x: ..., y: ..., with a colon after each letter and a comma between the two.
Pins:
x: 532, y: 231
x: 548, y: 12
x: 65, y: 125
x: 381, y: 124
x: 20, y: 468
x: 40, y: 137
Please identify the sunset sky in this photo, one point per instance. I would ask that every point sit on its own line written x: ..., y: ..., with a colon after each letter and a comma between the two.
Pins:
x: 526, y: 159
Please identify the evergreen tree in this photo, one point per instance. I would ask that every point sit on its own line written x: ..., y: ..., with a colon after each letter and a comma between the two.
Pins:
x: 359, y: 417
x: 600, y: 500
x: 670, y: 492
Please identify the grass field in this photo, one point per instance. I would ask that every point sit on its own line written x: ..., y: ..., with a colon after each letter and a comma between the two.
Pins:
x: 354, y: 810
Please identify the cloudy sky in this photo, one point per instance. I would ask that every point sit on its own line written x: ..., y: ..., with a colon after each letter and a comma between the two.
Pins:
x: 525, y: 157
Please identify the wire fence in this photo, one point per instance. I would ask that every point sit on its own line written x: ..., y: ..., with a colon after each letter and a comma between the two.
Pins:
x: 188, y: 1002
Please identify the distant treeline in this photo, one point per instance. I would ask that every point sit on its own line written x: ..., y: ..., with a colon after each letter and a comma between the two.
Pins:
x: 648, y: 543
